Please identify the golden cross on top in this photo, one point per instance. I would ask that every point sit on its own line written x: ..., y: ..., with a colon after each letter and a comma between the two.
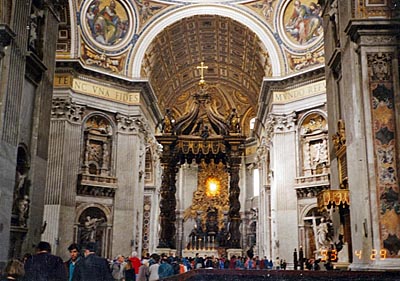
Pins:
x: 202, y: 67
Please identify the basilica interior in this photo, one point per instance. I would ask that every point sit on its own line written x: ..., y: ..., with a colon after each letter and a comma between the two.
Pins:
x: 202, y: 127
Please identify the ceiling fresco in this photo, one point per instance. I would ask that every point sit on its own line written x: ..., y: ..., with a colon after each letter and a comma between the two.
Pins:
x: 105, y: 36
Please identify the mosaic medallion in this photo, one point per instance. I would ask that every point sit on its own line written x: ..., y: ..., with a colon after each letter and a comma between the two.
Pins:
x: 301, y: 23
x: 107, y: 24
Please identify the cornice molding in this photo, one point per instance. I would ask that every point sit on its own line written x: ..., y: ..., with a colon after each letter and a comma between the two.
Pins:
x: 358, y: 28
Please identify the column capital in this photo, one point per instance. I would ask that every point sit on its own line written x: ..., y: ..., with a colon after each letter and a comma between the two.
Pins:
x: 280, y: 123
x: 132, y: 124
x: 65, y: 108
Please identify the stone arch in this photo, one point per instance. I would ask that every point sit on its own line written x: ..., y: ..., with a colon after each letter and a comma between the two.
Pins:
x: 265, y: 36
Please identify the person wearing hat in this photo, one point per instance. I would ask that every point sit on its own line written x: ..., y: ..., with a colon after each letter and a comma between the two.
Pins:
x: 92, y: 267
x: 44, y: 266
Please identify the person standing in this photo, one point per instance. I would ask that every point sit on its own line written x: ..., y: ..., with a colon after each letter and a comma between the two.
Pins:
x: 92, y: 267
x: 118, y: 268
x: 153, y: 269
x: 135, y: 262
x: 143, y: 271
x: 75, y: 257
x: 165, y: 269
x: 44, y: 266
x: 129, y: 271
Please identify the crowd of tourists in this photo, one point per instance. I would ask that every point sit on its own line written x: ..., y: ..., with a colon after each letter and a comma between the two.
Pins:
x: 86, y: 265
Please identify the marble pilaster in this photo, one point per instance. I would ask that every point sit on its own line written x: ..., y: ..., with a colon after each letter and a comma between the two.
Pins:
x: 128, y: 201
x: 283, y: 195
x: 61, y: 181
x: 374, y: 219
x: 264, y: 202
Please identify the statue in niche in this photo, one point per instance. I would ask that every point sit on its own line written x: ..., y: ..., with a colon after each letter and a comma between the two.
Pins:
x: 90, y: 229
x: 23, y: 210
x: 324, y: 233
x: 19, y: 185
x: 36, y: 18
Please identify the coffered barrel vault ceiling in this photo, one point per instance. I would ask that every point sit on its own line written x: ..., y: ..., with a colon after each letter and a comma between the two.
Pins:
x: 236, y: 60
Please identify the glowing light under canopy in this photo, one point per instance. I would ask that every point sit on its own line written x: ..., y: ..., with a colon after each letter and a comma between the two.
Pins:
x: 213, y: 187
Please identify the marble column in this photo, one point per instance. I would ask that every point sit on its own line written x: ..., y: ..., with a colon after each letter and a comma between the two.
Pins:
x: 168, y: 201
x: 234, y: 203
x: 283, y: 196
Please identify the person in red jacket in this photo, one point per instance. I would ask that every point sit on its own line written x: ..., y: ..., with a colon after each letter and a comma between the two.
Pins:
x: 135, y: 262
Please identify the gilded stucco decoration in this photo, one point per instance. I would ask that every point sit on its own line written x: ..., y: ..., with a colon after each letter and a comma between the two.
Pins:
x: 202, y: 203
x: 298, y: 62
x: 101, y: 60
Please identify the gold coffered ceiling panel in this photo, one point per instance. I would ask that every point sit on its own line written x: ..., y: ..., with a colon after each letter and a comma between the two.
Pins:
x: 236, y: 60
